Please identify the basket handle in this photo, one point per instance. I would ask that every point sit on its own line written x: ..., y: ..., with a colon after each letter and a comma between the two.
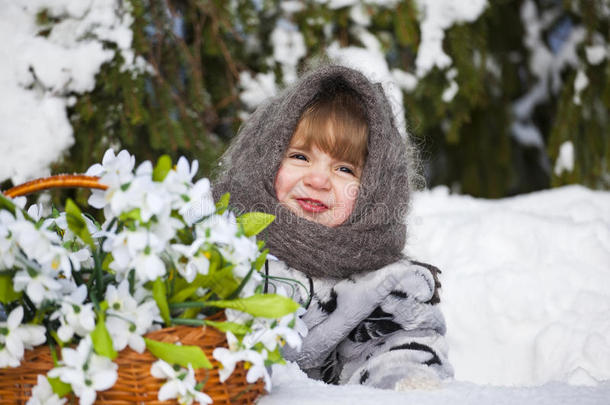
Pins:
x: 57, y: 181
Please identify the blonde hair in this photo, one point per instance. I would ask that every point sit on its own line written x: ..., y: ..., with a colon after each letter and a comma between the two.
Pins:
x: 335, y: 124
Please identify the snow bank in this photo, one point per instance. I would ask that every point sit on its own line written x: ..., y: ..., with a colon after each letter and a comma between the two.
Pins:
x: 292, y: 387
x: 525, y: 283
x: 526, y: 298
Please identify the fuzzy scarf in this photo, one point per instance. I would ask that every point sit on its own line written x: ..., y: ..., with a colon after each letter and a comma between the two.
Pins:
x: 374, y: 235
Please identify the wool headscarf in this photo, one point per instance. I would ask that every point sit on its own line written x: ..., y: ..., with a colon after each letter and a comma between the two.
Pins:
x: 374, y: 234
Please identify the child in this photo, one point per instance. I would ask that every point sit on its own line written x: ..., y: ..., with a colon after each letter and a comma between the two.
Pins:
x: 326, y: 158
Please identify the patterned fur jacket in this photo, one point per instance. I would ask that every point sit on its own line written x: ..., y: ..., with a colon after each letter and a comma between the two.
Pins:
x: 382, y: 329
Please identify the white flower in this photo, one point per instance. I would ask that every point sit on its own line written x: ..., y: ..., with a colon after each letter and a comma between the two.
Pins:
x: 281, y: 334
x: 37, y: 286
x: 8, y: 246
x: 15, y: 338
x: 255, y: 364
x: 114, y: 170
x: 136, y: 250
x: 190, y: 261
x: 180, y: 385
x: 34, y: 242
x: 62, y: 222
x: 126, y: 320
x: 42, y: 394
x: 180, y: 179
x: 74, y: 316
x: 85, y: 371
x: 148, y: 266
x: 200, y: 202
x: 35, y: 211
x: 218, y: 228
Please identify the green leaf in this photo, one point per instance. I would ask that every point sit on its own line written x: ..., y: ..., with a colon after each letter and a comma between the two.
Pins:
x: 274, y: 357
x: 7, y: 293
x: 181, y: 355
x: 223, y: 203
x: 59, y: 387
x: 76, y: 222
x: 260, y: 260
x: 102, y: 342
x: 254, y: 222
x: 263, y: 305
x: 235, y: 328
x: 7, y: 204
x: 222, y: 281
x: 160, y: 296
x: 133, y: 214
x: 164, y: 165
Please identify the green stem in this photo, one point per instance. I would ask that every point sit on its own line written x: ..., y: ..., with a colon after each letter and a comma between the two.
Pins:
x: 182, y: 305
x: 189, y: 322
x: 98, y: 277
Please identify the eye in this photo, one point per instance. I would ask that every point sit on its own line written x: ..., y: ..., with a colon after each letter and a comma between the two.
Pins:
x: 346, y: 169
x: 298, y: 156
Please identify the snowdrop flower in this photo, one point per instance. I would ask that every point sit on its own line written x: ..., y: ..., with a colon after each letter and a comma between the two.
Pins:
x: 114, y: 172
x: 180, y: 385
x: 42, y: 394
x: 136, y: 250
x: 200, y: 202
x: 75, y: 318
x: 145, y: 194
x: 35, y: 211
x: 85, y: 371
x: 180, y: 179
x: 148, y: 266
x: 62, y: 222
x: 38, y: 286
x: 126, y: 320
x: 270, y: 337
x: 255, y: 363
x: 8, y: 247
x: 219, y: 229
x: 34, y: 242
x: 15, y: 338
x: 189, y: 260
x: 242, y: 251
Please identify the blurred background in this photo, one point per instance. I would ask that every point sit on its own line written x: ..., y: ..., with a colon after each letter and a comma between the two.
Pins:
x: 502, y: 97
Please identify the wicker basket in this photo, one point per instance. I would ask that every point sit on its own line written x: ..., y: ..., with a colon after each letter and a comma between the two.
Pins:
x: 135, y: 384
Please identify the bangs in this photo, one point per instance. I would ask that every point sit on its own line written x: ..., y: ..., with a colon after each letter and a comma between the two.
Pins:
x: 336, y: 126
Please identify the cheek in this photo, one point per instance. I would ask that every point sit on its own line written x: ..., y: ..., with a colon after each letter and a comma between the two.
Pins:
x: 281, y: 184
x: 348, y: 196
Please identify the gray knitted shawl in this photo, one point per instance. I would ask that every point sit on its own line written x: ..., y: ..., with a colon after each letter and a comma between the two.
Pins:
x: 374, y: 235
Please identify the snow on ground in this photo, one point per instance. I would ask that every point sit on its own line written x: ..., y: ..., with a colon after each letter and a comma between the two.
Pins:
x: 526, y: 298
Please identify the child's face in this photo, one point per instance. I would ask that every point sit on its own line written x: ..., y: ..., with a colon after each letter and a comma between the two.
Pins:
x: 316, y: 186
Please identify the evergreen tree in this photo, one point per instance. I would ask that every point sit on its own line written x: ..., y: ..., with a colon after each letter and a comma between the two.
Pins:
x: 527, y: 79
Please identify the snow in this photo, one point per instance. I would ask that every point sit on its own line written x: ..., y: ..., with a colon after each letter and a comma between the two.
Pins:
x: 40, y: 74
x: 525, y: 295
x: 596, y: 54
x: 256, y: 89
x: 565, y: 160
x: 450, y: 92
x: 580, y: 83
x: 370, y: 61
x: 436, y: 17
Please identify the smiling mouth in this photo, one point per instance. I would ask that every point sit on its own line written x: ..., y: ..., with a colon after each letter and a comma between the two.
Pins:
x: 311, y: 205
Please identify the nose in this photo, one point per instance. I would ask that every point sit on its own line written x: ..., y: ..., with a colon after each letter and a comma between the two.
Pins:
x: 317, y: 178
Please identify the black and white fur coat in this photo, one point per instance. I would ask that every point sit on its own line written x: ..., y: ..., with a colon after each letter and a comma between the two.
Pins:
x: 382, y: 328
